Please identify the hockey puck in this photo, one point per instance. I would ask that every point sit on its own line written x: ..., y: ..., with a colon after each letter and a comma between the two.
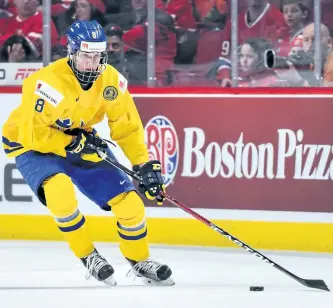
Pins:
x: 256, y: 288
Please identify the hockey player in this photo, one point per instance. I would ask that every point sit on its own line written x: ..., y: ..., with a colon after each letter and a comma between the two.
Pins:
x: 49, y: 136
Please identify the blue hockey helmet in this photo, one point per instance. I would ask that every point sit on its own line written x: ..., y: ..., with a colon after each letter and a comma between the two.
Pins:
x: 87, y: 50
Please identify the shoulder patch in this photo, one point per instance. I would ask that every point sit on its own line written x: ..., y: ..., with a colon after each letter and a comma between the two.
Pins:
x: 110, y: 93
x: 122, y: 83
x: 51, y: 95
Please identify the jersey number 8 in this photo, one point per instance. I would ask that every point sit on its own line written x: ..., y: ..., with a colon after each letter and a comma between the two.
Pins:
x: 39, y: 105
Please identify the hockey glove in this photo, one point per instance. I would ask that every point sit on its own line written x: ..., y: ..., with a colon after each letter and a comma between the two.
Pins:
x: 152, y: 181
x: 84, y: 143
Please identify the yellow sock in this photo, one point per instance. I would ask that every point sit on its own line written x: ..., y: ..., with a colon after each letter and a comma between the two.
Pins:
x: 62, y: 203
x: 130, y: 212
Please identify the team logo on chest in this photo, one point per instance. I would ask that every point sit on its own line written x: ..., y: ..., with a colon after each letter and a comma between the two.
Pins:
x: 110, y: 93
x: 64, y: 123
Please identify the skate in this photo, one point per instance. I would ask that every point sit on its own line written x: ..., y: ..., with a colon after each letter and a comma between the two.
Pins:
x: 99, y: 268
x: 151, y: 272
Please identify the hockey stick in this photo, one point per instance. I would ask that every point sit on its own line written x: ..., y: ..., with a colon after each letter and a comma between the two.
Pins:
x: 311, y: 283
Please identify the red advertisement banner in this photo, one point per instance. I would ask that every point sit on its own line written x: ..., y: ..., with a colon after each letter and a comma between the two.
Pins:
x: 258, y: 153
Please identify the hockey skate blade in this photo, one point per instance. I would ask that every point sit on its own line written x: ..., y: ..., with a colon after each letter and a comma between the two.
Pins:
x: 164, y: 283
x: 110, y: 281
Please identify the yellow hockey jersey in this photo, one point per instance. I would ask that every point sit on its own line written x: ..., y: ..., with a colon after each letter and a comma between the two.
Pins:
x: 53, y: 101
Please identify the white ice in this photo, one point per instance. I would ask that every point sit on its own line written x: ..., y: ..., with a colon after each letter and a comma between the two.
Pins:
x: 46, y: 274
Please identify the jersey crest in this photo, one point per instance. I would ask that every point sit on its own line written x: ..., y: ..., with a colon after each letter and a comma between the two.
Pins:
x: 110, y: 93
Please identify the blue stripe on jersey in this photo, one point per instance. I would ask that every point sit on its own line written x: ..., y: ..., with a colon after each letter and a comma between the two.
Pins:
x: 11, y: 144
x: 7, y: 151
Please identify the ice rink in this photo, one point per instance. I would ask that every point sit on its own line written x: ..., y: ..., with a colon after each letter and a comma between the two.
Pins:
x: 46, y: 274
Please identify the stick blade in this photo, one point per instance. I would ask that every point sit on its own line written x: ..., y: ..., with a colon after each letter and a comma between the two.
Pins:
x: 316, y: 284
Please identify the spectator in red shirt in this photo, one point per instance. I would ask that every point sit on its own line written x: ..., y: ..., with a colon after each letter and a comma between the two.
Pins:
x: 296, y: 46
x: 260, y: 19
x: 165, y: 41
x: 303, y: 61
x: 180, y: 10
x: 213, y: 13
x: 253, y: 72
x: 296, y: 16
x: 212, y: 9
x: 29, y: 24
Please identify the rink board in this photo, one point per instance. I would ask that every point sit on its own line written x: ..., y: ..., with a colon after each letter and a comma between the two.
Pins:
x: 22, y: 217
x: 298, y: 236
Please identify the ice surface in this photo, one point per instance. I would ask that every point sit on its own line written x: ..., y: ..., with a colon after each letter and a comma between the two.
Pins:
x: 46, y: 274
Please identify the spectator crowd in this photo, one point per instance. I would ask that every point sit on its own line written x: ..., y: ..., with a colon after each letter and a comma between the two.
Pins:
x: 192, y: 39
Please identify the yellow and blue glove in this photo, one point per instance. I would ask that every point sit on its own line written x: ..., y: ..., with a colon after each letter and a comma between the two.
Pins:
x: 81, y: 145
x: 152, y: 181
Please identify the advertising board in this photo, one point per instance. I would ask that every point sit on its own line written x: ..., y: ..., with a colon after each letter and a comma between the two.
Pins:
x: 13, y: 74
x: 254, y: 153
x: 259, y: 163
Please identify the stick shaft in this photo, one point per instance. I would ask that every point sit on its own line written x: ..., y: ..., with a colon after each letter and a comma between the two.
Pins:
x: 319, y: 284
